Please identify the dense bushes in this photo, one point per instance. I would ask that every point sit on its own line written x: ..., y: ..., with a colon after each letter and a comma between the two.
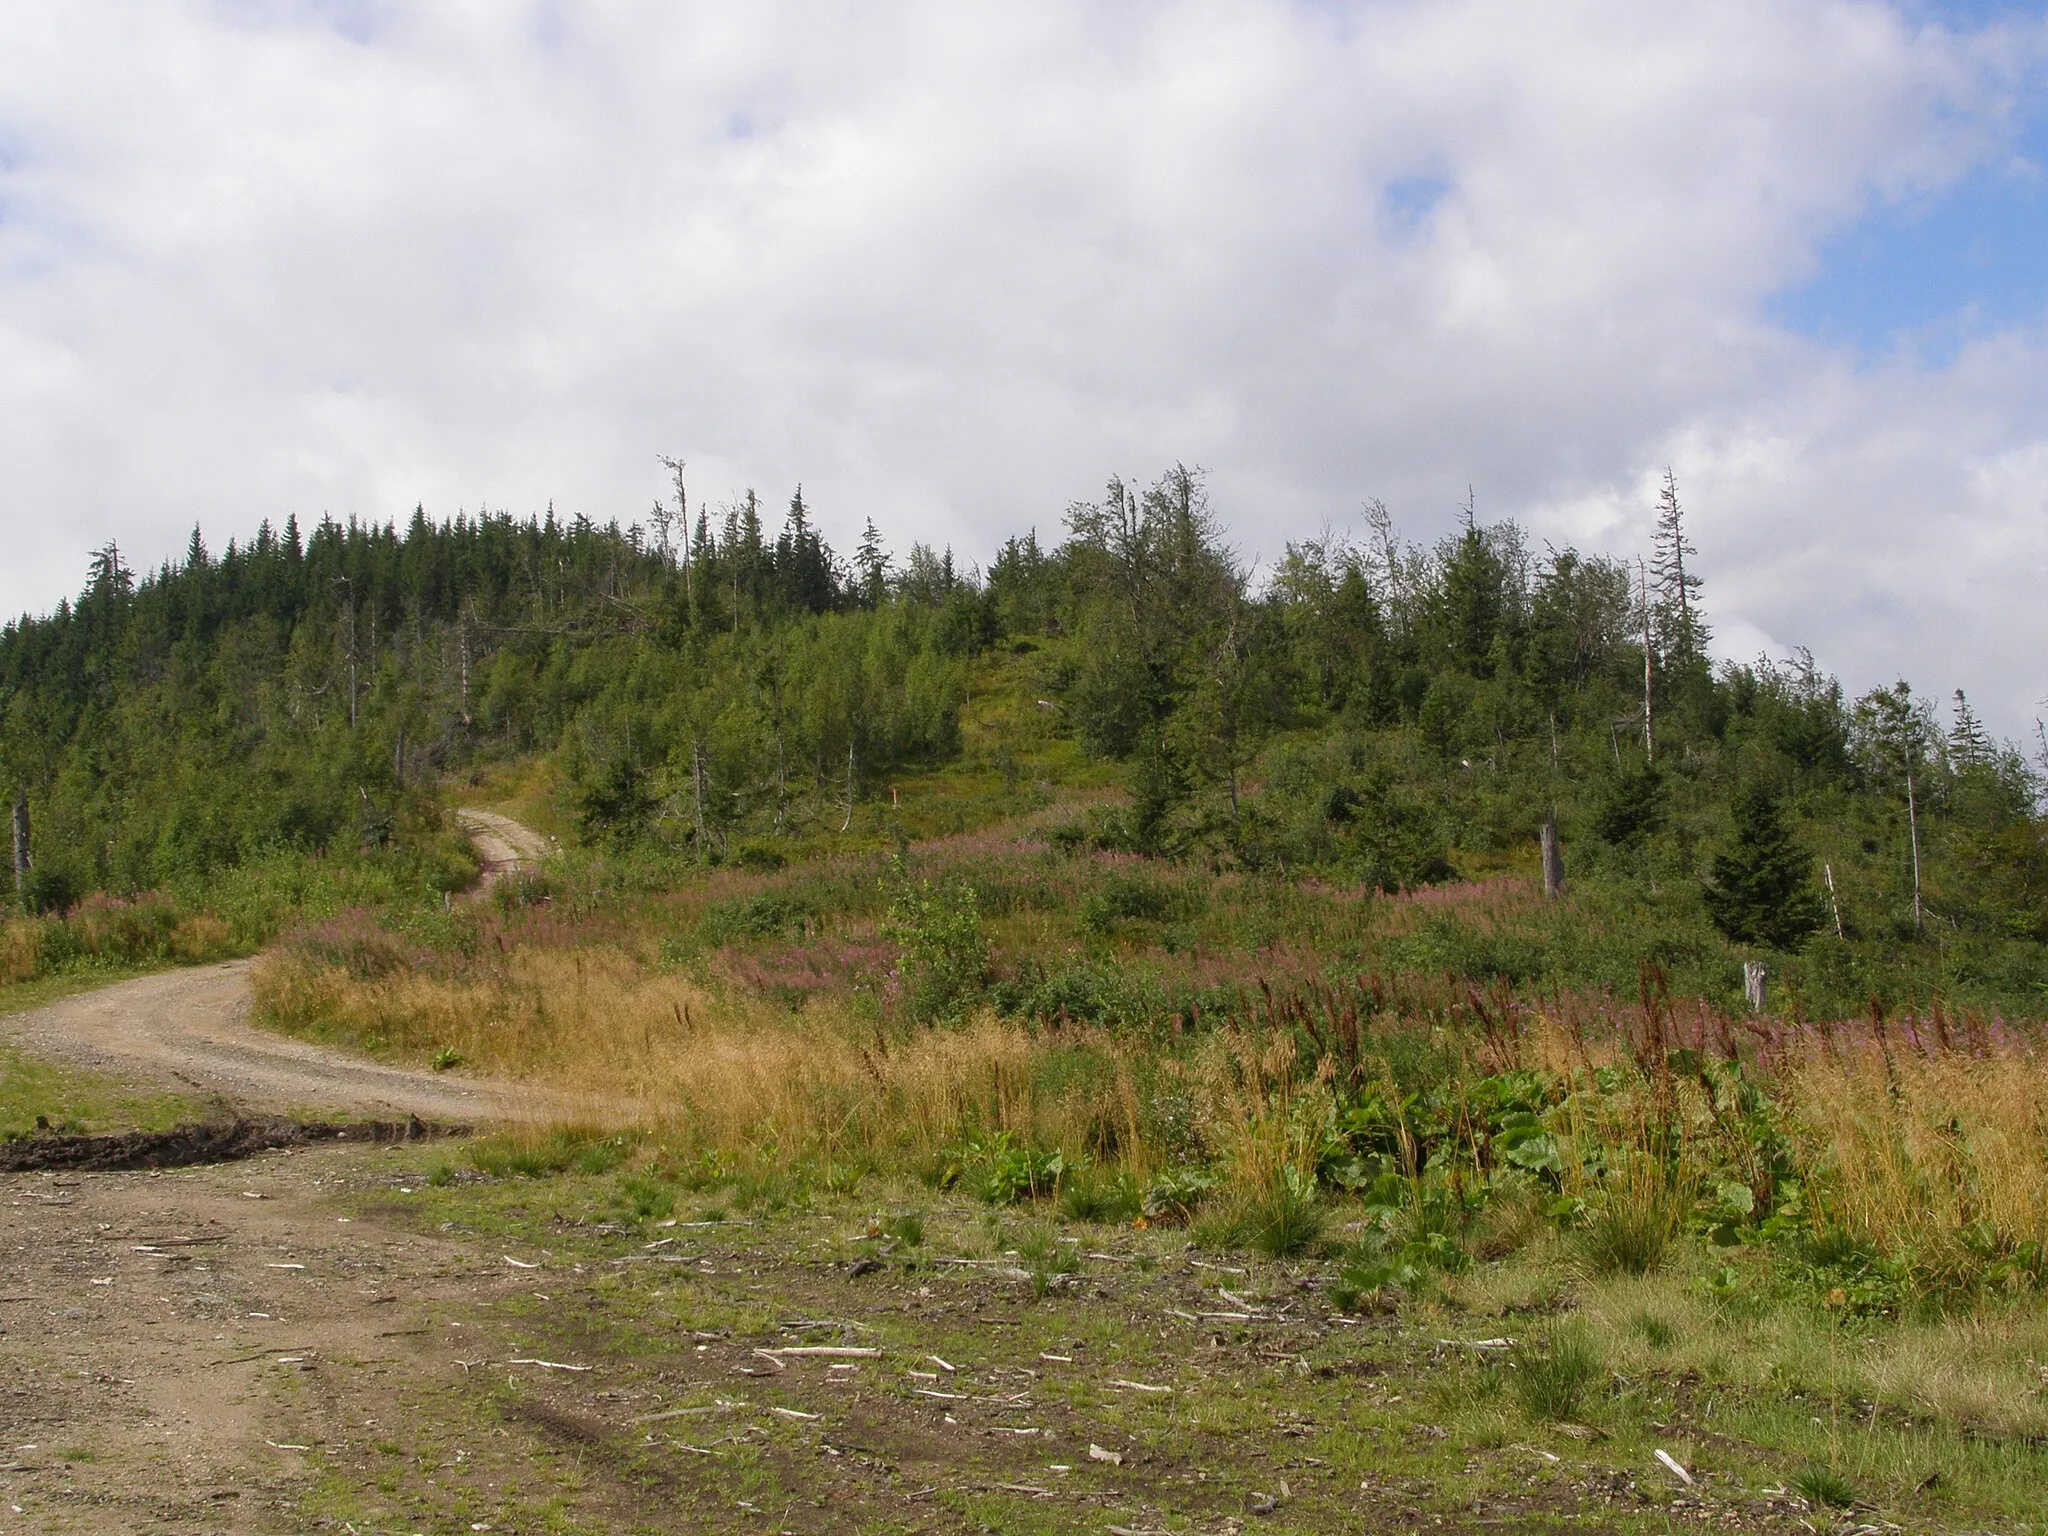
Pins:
x: 108, y: 933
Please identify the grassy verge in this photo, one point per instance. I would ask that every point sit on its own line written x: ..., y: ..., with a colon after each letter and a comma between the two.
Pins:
x: 67, y: 1098
x: 1902, y: 1161
x: 40, y: 1095
x: 20, y: 996
x: 1033, y: 1372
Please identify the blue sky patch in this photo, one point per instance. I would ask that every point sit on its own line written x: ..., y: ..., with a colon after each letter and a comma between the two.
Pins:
x: 1410, y: 200
x: 1970, y: 14
x: 1932, y: 272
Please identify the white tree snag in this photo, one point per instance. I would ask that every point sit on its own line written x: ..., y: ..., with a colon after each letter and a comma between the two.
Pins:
x: 1553, y: 859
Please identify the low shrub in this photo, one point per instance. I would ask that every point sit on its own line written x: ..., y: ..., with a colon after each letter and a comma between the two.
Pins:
x: 998, y: 1169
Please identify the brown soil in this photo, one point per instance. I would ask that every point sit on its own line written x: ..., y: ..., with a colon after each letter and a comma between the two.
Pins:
x: 180, y: 1352
x: 321, y: 1340
x: 186, y: 1146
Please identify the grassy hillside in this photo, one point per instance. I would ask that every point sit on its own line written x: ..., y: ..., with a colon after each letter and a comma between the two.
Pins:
x: 1111, y: 888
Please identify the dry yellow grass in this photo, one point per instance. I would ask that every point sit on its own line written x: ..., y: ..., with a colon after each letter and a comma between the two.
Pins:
x: 1912, y: 1153
x: 625, y: 1045
x: 21, y: 955
x: 1942, y: 1160
x: 1255, y: 1108
x: 109, y: 932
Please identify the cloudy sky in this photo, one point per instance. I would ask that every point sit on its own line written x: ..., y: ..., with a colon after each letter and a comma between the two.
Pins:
x: 950, y: 264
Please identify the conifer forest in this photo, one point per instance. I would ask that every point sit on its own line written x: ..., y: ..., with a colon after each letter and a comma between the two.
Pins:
x: 1366, y: 714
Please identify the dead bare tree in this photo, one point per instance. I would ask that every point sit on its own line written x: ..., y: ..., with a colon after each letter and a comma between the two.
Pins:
x: 675, y: 467
x: 22, y: 857
x: 1553, y: 859
x: 1649, y: 736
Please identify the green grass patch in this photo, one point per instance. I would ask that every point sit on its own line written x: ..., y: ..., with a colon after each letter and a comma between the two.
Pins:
x: 1415, y: 1416
x: 41, y: 1096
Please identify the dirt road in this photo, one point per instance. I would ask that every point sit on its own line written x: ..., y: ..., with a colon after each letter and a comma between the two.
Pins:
x: 170, y: 1343
x: 189, y: 1031
x: 207, y: 1350
x: 505, y: 846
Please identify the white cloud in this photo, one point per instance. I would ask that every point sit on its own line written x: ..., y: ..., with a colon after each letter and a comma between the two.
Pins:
x: 951, y: 264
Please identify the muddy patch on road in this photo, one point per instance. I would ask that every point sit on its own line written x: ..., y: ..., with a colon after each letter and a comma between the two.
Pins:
x: 188, y: 1146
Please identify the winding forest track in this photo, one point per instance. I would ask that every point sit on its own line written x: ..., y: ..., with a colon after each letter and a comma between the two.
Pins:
x: 504, y: 845
x: 188, y: 1031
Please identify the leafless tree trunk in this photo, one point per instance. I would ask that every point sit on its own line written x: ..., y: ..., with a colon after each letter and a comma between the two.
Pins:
x: 1913, y: 830
x: 351, y: 586
x: 1553, y: 859
x: 22, y: 859
x: 1649, y: 737
x: 849, y: 786
x: 697, y: 791
x: 1834, y: 901
x: 466, y: 720
x: 675, y: 467
x: 1754, y: 984
x: 781, y: 777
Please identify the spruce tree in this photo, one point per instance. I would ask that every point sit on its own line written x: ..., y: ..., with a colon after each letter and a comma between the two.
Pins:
x: 871, y: 567
x: 1761, y: 891
x: 1969, y: 744
x: 1632, y: 808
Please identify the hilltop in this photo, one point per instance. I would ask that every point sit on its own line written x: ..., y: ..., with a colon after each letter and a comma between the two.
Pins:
x: 1370, y: 717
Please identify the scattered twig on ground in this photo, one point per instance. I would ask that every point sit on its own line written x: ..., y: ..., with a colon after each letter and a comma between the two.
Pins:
x: 1671, y: 1465
x: 264, y: 1354
x: 825, y: 1351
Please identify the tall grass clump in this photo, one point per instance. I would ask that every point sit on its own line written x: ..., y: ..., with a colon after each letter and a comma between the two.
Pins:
x: 1934, y: 1159
x: 1630, y: 1228
x: 1554, y: 1378
x: 597, y: 1035
x: 1269, y: 1128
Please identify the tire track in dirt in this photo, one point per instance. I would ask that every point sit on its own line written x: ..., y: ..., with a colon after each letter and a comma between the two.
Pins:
x: 506, y: 847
